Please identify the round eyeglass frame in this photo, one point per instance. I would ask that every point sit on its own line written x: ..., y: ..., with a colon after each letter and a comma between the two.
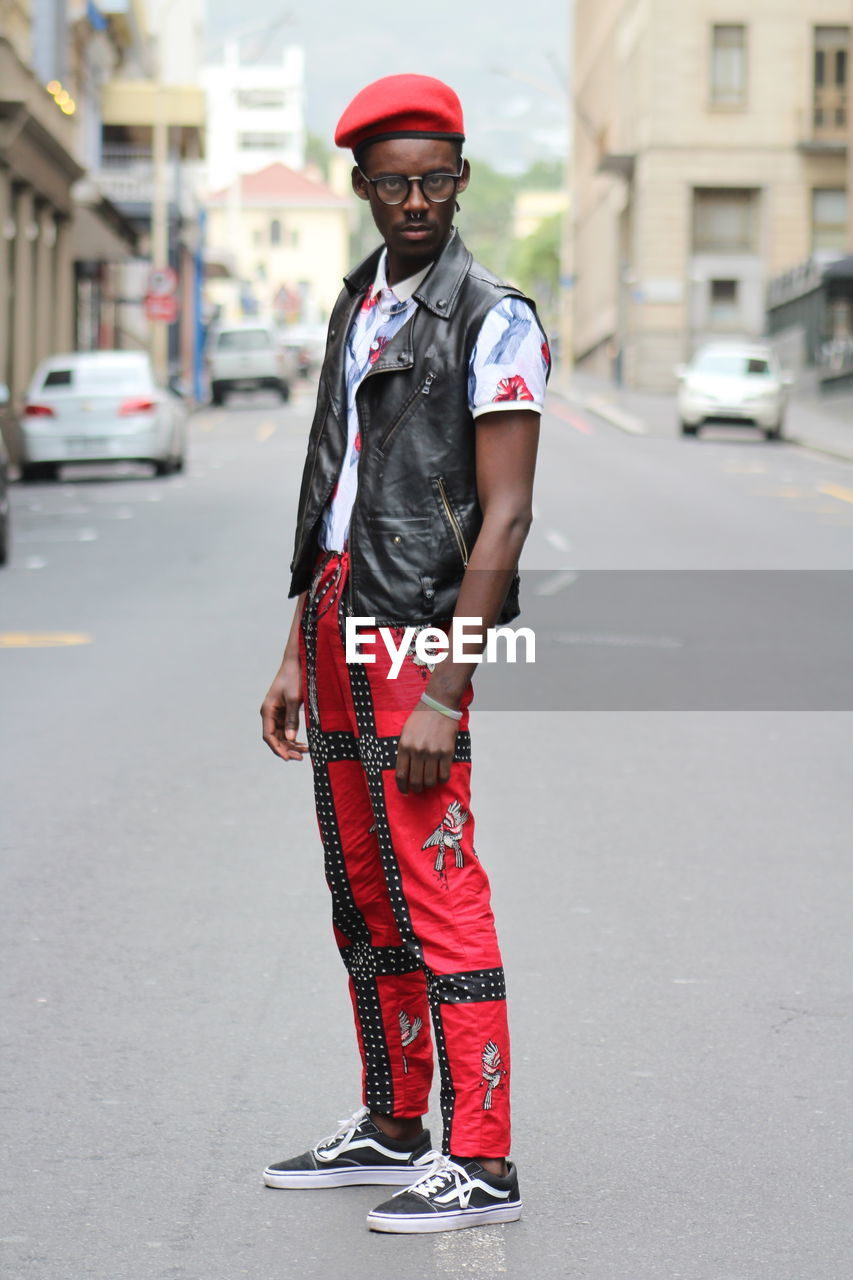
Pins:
x: 437, y: 173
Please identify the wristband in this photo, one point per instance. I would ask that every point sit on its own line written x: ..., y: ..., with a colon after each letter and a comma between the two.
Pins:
x: 441, y: 708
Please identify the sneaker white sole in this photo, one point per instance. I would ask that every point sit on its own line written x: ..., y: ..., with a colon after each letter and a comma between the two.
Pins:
x: 365, y: 1176
x: 422, y: 1223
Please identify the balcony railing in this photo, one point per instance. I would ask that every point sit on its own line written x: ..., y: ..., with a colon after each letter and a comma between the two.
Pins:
x: 126, y: 176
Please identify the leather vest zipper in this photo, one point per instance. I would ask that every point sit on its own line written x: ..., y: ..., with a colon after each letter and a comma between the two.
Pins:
x: 454, y: 523
x: 423, y: 390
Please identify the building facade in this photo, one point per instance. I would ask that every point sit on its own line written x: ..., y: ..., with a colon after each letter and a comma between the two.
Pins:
x: 711, y: 154
x: 55, y: 56
x: 255, y: 114
x: 284, y: 237
x: 151, y: 167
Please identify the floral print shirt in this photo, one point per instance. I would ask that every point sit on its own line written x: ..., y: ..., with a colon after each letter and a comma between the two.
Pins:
x: 508, y: 370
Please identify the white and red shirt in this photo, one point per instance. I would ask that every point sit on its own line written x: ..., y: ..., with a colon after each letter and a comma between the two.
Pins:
x: 508, y: 370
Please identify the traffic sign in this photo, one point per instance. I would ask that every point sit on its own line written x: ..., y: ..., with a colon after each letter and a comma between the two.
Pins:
x: 158, y: 308
x: 162, y: 282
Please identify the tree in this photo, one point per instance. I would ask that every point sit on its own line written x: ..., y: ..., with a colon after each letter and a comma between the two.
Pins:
x: 535, y: 266
x: 486, y: 217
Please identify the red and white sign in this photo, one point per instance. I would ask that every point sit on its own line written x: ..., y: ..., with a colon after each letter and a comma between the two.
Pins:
x: 159, y: 308
x: 162, y: 282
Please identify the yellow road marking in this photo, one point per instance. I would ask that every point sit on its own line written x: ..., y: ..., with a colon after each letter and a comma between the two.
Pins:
x: 837, y: 491
x: 41, y: 639
x: 265, y: 430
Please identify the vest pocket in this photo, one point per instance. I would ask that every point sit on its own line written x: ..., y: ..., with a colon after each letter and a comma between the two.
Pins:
x: 451, y: 518
x: 407, y: 409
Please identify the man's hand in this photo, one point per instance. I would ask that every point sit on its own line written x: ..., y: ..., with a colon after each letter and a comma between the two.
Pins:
x: 280, y: 712
x: 425, y: 752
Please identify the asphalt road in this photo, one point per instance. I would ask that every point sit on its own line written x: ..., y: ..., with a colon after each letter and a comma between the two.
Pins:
x: 672, y: 889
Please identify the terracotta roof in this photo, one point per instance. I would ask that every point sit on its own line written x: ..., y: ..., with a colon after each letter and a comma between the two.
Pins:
x: 276, y: 184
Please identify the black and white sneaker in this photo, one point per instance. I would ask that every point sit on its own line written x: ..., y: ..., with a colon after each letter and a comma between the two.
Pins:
x: 451, y: 1194
x: 357, y: 1154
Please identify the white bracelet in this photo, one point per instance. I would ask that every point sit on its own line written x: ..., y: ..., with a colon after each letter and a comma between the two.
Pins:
x: 441, y: 708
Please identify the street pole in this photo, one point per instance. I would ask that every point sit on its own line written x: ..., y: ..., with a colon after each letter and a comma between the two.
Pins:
x: 159, y: 330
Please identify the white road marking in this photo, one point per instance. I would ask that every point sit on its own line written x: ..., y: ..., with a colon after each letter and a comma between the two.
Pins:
x: 557, y: 540
x: 56, y: 535
x: 555, y: 582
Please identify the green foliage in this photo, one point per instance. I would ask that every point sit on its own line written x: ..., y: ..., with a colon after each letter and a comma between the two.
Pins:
x: 486, y: 218
x: 535, y: 265
x: 316, y: 152
x: 544, y: 175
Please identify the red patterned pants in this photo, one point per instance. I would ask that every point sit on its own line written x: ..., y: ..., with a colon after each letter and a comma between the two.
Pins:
x: 410, y: 899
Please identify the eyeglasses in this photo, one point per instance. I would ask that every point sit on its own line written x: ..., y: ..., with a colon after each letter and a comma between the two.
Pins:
x: 395, y: 188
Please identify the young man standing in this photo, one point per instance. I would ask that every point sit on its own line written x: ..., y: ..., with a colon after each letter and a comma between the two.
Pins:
x: 414, y: 507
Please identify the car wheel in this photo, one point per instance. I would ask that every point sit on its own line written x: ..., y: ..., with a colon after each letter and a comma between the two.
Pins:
x: 217, y: 393
x: 4, y: 538
x: 774, y: 433
x: 284, y: 391
x: 32, y: 472
x: 689, y: 429
x: 163, y: 466
x: 179, y: 462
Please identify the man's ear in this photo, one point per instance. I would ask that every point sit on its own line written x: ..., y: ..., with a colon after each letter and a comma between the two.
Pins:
x: 466, y: 176
x: 359, y: 185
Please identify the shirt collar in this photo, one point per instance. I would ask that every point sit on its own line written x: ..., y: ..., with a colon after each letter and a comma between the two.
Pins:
x: 400, y: 293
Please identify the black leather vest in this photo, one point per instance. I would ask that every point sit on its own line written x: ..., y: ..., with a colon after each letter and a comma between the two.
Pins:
x: 416, y: 515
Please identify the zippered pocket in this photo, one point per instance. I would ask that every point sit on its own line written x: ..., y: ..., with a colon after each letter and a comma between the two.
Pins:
x: 450, y: 514
x: 423, y: 390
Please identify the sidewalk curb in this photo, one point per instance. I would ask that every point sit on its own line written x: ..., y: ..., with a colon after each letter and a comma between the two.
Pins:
x: 602, y: 408
x: 617, y: 417
x: 827, y: 450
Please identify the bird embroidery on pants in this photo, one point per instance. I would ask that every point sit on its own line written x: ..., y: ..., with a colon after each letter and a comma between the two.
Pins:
x: 409, y: 1032
x: 448, y: 835
x: 493, y: 1072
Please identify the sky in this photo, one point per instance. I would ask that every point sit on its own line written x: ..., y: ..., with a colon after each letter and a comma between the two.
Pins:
x: 507, y: 62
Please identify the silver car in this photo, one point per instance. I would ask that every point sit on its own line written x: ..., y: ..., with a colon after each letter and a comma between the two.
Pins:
x: 100, y: 406
x: 246, y: 357
x: 736, y: 384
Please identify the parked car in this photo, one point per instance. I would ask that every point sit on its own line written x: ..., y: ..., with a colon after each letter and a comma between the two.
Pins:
x: 740, y: 383
x: 246, y: 357
x: 100, y: 406
x: 308, y: 343
x: 4, y: 503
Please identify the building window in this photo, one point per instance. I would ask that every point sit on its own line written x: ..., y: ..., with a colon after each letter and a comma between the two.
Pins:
x: 262, y: 141
x: 725, y: 304
x: 728, y: 66
x: 275, y: 231
x: 252, y: 98
x: 829, y: 117
x: 829, y: 220
x: 725, y: 220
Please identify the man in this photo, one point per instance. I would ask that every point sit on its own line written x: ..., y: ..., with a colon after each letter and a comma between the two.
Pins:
x: 415, y: 504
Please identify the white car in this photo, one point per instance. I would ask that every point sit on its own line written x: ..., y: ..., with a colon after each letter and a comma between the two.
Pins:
x: 100, y: 406
x: 245, y: 357
x: 734, y: 384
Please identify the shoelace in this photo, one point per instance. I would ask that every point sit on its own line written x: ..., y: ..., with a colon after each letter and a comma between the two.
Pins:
x: 442, y: 1172
x: 345, y: 1130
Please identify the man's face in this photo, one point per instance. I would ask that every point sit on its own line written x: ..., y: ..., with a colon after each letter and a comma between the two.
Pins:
x: 415, y: 230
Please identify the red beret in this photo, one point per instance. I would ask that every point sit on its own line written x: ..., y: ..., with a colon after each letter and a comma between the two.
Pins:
x: 401, y: 107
